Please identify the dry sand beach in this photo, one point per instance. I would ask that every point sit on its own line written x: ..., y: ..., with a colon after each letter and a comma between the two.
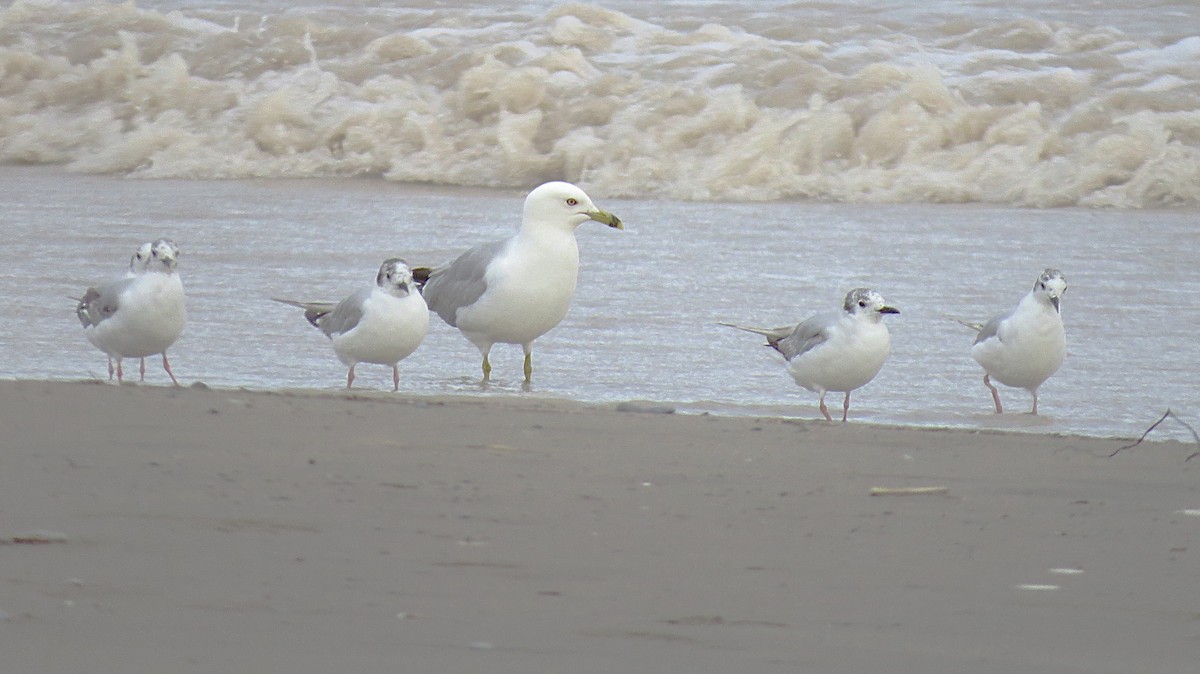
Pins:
x: 205, y: 530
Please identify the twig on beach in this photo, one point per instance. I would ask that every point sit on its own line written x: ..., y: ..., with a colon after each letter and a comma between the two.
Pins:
x: 1154, y: 425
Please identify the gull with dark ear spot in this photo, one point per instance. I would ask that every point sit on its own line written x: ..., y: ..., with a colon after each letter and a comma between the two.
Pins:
x: 1023, y: 347
x: 381, y: 325
x: 516, y: 290
x: 835, y: 351
x: 140, y: 315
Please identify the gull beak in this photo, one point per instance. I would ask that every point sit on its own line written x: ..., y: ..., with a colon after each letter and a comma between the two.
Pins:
x: 1055, y: 300
x: 889, y: 310
x: 606, y: 218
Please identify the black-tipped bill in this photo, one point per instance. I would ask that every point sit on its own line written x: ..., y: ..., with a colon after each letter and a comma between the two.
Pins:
x: 606, y: 218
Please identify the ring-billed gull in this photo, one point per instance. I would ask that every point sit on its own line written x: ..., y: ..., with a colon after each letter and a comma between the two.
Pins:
x: 381, y: 325
x: 1023, y: 347
x: 140, y: 315
x: 515, y: 290
x: 835, y: 351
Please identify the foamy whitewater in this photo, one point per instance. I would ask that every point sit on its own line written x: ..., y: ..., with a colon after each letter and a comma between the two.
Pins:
x: 766, y: 158
x: 1021, y: 103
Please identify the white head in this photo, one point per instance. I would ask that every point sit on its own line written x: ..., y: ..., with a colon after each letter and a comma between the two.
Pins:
x: 563, y: 205
x: 141, y: 259
x: 163, y: 255
x: 395, y: 277
x: 1050, y: 287
x: 866, y: 304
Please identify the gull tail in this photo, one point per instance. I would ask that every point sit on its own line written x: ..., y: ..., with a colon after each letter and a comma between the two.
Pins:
x: 313, y: 311
x: 421, y: 276
x: 773, y: 335
x: 968, y: 324
x: 83, y: 308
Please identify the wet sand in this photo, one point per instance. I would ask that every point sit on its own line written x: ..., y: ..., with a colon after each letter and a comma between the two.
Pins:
x: 216, y: 530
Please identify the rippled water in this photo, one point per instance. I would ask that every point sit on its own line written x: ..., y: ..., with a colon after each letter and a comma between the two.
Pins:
x: 643, y: 322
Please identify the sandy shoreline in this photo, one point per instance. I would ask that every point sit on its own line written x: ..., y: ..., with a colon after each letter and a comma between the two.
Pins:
x: 231, y: 531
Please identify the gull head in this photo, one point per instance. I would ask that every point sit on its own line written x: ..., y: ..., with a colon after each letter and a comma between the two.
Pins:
x: 564, y: 206
x: 141, y: 259
x: 1050, y: 287
x: 867, y: 304
x: 395, y: 277
x: 163, y: 256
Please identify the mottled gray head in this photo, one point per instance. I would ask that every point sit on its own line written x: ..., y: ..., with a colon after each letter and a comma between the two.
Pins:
x: 867, y: 303
x: 141, y: 259
x: 1051, y: 285
x: 163, y: 254
x: 395, y: 277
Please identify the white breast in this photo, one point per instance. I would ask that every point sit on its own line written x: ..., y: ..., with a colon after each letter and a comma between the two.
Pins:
x: 391, y: 328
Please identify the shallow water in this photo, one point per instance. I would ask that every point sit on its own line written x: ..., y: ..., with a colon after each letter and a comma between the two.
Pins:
x: 643, y: 322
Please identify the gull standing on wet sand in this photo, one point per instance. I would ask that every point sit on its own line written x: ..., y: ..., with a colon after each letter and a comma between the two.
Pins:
x: 835, y: 351
x: 140, y: 315
x: 515, y: 290
x: 1023, y: 347
x: 381, y: 325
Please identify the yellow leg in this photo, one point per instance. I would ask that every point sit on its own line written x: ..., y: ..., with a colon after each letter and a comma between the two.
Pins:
x: 528, y: 367
x: 487, y: 367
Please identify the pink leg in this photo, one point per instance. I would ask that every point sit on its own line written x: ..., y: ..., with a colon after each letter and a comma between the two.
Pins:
x: 166, y: 366
x: 110, y: 369
x: 995, y: 394
x: 825, y: 410
x: 846, y: 407
x: 350, y: 378
x: 1034, y: 411
x: 143, y: 368
x: 395, y: 378
x: 120, y: 372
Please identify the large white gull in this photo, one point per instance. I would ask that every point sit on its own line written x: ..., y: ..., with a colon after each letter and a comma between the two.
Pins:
x: 515, y: 290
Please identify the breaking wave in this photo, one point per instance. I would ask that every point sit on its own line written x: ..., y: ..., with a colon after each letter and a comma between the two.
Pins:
x: 798, y: 103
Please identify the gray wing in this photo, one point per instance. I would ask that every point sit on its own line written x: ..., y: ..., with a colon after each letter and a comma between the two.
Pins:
x: 100, y: 303
x: 808, y: 334
x: 991, y: 328
x: 461, y: 282
x: 345, y: 315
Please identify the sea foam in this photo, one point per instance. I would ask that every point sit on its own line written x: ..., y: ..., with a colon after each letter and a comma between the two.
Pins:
x: 744, y: 106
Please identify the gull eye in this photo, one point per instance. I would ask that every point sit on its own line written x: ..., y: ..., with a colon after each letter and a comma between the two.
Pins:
x: 572, y: 201
x: 862, y: 303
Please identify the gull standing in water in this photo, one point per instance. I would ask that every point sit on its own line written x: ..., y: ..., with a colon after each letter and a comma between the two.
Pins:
x: 515, y: 290
x: 1023, y: 347
x: 382, y: 325
x: 835, y: 351
x: 140, y: 315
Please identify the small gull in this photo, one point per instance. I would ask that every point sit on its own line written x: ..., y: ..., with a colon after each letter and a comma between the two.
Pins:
x: 381, y: 325
x: 1023, y: 347
x: 138, y: 264
x: 835, y: 351
x: 139, y: 315
x: 515, y: 290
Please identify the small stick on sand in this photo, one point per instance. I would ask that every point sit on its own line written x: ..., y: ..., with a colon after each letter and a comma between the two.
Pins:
x: 907, y: 491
